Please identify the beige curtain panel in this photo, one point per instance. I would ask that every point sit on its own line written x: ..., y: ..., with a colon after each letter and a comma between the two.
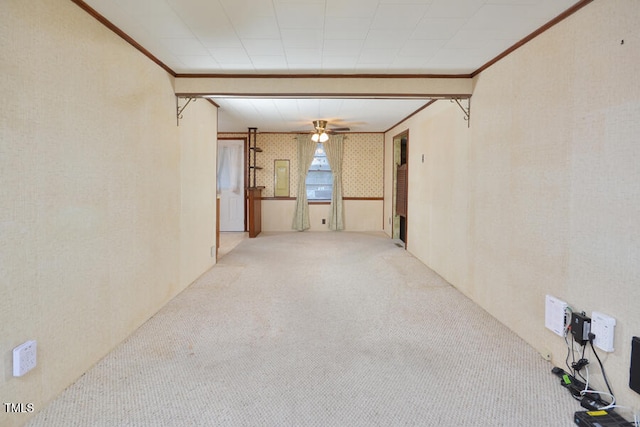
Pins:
x: 306, y: 151
x: 334, y: 148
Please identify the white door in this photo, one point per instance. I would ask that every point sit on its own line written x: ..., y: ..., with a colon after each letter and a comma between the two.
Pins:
x: 230, y: 178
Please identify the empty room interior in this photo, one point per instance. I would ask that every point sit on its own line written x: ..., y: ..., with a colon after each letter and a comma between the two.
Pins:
x: 384, y: 168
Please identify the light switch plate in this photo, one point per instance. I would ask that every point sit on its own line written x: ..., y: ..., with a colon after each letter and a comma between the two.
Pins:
x: 24, y: 358
x: 603, y: 327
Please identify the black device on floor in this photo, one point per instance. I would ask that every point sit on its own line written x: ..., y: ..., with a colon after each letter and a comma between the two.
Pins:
x: 600, y: 418
x: 579, y: 390
x: 634, y: 374
x: 569, y: 382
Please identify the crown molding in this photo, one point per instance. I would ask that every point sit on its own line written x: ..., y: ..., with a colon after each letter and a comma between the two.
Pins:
x: 573, y: 9
x: 100, y: 18
x: 104, y: 21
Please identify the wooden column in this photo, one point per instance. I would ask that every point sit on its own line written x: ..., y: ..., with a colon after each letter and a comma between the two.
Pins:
x: 254, y: 205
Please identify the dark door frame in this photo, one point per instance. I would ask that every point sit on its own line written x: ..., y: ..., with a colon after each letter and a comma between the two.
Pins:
x: 397, y: 162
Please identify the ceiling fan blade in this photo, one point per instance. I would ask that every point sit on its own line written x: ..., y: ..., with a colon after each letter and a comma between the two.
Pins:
x: 343, y: 129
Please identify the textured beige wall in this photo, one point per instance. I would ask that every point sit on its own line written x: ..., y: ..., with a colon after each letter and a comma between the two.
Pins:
x: 438, y: 188
x: 359, y: 215
x: 198, y: 148
x: 542, y: 194
x: 569, y: 147
x: 90, y: 177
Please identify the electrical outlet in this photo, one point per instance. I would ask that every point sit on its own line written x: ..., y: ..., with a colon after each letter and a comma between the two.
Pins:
x: 554, y: 315
x: 24, y: 358
x: 324, y: 221
x: 603, y: 327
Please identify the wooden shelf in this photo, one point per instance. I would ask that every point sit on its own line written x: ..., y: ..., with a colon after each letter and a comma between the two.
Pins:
x: 254, y: 193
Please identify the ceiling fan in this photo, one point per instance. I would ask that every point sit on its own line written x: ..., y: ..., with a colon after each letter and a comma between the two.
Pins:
x: 321, y: 131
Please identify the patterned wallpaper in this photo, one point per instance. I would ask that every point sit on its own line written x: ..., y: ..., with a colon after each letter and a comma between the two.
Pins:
x: 363, y: 168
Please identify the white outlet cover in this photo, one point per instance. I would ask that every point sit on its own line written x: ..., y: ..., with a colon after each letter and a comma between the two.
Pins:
x: 24, y: 358
x: 603, y: 327
x: 554, y: 315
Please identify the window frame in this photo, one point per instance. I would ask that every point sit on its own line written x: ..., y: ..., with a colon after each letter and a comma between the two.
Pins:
x: 317, y: 167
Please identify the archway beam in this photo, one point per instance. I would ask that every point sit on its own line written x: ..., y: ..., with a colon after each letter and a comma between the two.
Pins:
x: 345, y: 86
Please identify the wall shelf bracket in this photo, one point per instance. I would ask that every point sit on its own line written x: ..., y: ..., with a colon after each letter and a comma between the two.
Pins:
x: 180, y: 109
x: 466, y: 110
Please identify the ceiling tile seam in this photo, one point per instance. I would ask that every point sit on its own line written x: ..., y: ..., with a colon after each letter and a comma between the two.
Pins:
x: 368, y: 32
x: 275, y: 11
x: 235, y: 31
x: 324, y: 34
x: 193, y: 33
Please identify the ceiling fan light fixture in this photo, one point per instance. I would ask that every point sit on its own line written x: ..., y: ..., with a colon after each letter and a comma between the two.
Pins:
x: 320, y: 125
x: 320, y: 135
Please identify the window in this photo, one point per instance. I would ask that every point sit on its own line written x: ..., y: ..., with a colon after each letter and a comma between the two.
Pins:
x: 319, y: 179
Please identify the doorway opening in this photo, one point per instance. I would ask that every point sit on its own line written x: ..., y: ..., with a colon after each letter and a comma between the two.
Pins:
x: 400, y: 186
x: 231, y: 184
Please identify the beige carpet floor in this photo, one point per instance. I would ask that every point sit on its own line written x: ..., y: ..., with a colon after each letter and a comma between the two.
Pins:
x: 317, y: 329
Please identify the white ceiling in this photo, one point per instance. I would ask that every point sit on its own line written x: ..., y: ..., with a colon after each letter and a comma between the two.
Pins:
x: 292, y: 115
x: 325, y: 37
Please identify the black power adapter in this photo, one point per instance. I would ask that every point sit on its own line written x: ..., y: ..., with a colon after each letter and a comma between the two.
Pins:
x: 580, y: 327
